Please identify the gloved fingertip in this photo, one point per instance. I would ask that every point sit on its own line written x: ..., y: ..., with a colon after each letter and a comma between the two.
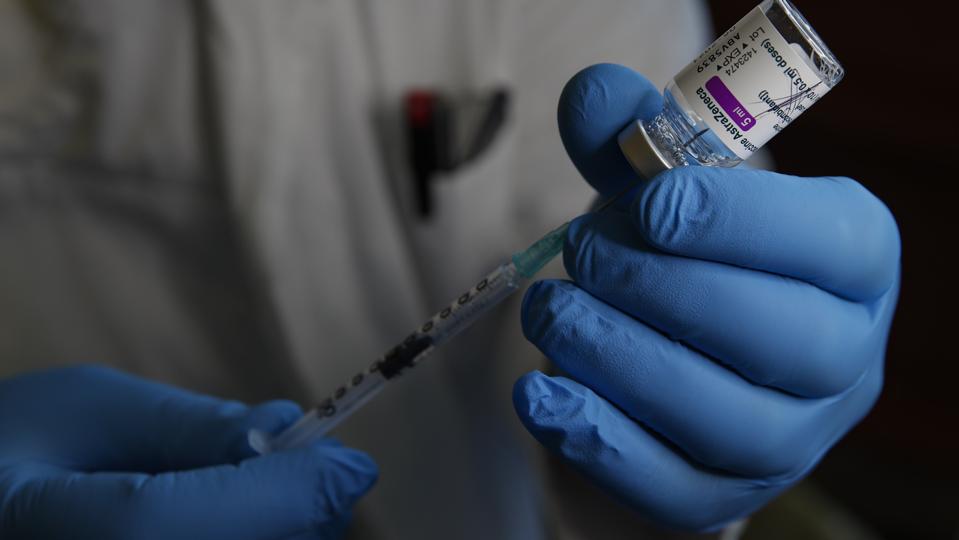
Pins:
x: 263, y: 420
x: 543, y: 302
x: 543, y: 402
x: 673, y: 207
x: 363, y: 465
x: 529, y: 310
x: 528, y: 391
x: 577, y: 236
x: 274, y: 415
x: 597, y: 90
x: 594, y: 106
x: 577, y: 229
x: 345, y: 475
x: 566, y: 418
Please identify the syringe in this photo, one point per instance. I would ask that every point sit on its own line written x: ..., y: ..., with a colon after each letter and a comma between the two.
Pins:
x: 451, y: 320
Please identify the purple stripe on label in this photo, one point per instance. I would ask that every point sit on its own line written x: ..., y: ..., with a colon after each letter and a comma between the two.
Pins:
x: 730, y: 104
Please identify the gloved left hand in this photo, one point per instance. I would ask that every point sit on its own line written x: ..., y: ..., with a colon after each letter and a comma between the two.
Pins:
x: 720, y: 334
x: 89, y: 452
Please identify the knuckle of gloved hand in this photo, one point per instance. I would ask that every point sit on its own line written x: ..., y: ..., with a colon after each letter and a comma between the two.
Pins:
x: 869, y: 230
x: 870, y: 389
x: 673, y: 208
x: 833, y: 361
x: 763, y: 445
x: 726, y: 503
x: 697, y: 507
x: 773, y: 449
x: 861, y: 398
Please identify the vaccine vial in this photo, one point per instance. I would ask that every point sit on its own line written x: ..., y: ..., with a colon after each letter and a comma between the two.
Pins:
x: 745, y: 88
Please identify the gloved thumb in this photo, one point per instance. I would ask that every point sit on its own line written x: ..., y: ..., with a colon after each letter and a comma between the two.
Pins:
x: 596, y: 104
x: 303, y: 493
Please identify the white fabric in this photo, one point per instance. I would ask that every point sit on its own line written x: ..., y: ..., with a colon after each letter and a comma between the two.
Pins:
x: 297, y: 176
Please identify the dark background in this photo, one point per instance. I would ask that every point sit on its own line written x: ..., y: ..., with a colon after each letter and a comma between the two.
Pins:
x: 888, y: 126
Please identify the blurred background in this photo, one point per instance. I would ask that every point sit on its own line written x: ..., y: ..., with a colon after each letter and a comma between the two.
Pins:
x: 897, y: 470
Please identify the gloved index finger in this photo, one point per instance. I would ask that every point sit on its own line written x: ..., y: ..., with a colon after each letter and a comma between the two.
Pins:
x: 94, y: 418
x: 596, y: 104
x: 830, y: 232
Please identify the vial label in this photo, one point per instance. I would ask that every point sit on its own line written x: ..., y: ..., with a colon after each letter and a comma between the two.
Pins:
x: 750, y: 84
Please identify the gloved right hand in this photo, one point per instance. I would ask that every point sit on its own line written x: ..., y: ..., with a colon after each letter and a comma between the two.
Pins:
x: 719, y: 335
x: 89, y: 452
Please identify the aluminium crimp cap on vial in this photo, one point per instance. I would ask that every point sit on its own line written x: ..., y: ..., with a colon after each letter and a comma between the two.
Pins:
x: 640, y: 151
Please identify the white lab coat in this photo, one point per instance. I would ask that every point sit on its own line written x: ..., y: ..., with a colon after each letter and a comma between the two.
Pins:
x: 215, y: 194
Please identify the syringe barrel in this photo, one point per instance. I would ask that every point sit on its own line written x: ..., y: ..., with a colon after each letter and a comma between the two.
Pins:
x: 324, y: 417
x: 473, y: 304
x: 454, y: 318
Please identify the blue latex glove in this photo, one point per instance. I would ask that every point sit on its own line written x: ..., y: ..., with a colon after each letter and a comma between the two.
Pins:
x: 720, y: 333
x: 88, y: 452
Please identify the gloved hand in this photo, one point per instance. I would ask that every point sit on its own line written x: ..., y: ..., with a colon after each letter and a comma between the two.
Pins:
x: 720, y: 333
x: 88, y: 452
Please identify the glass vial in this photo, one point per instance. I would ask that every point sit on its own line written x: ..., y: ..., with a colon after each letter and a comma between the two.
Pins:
x: 750, y: 84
